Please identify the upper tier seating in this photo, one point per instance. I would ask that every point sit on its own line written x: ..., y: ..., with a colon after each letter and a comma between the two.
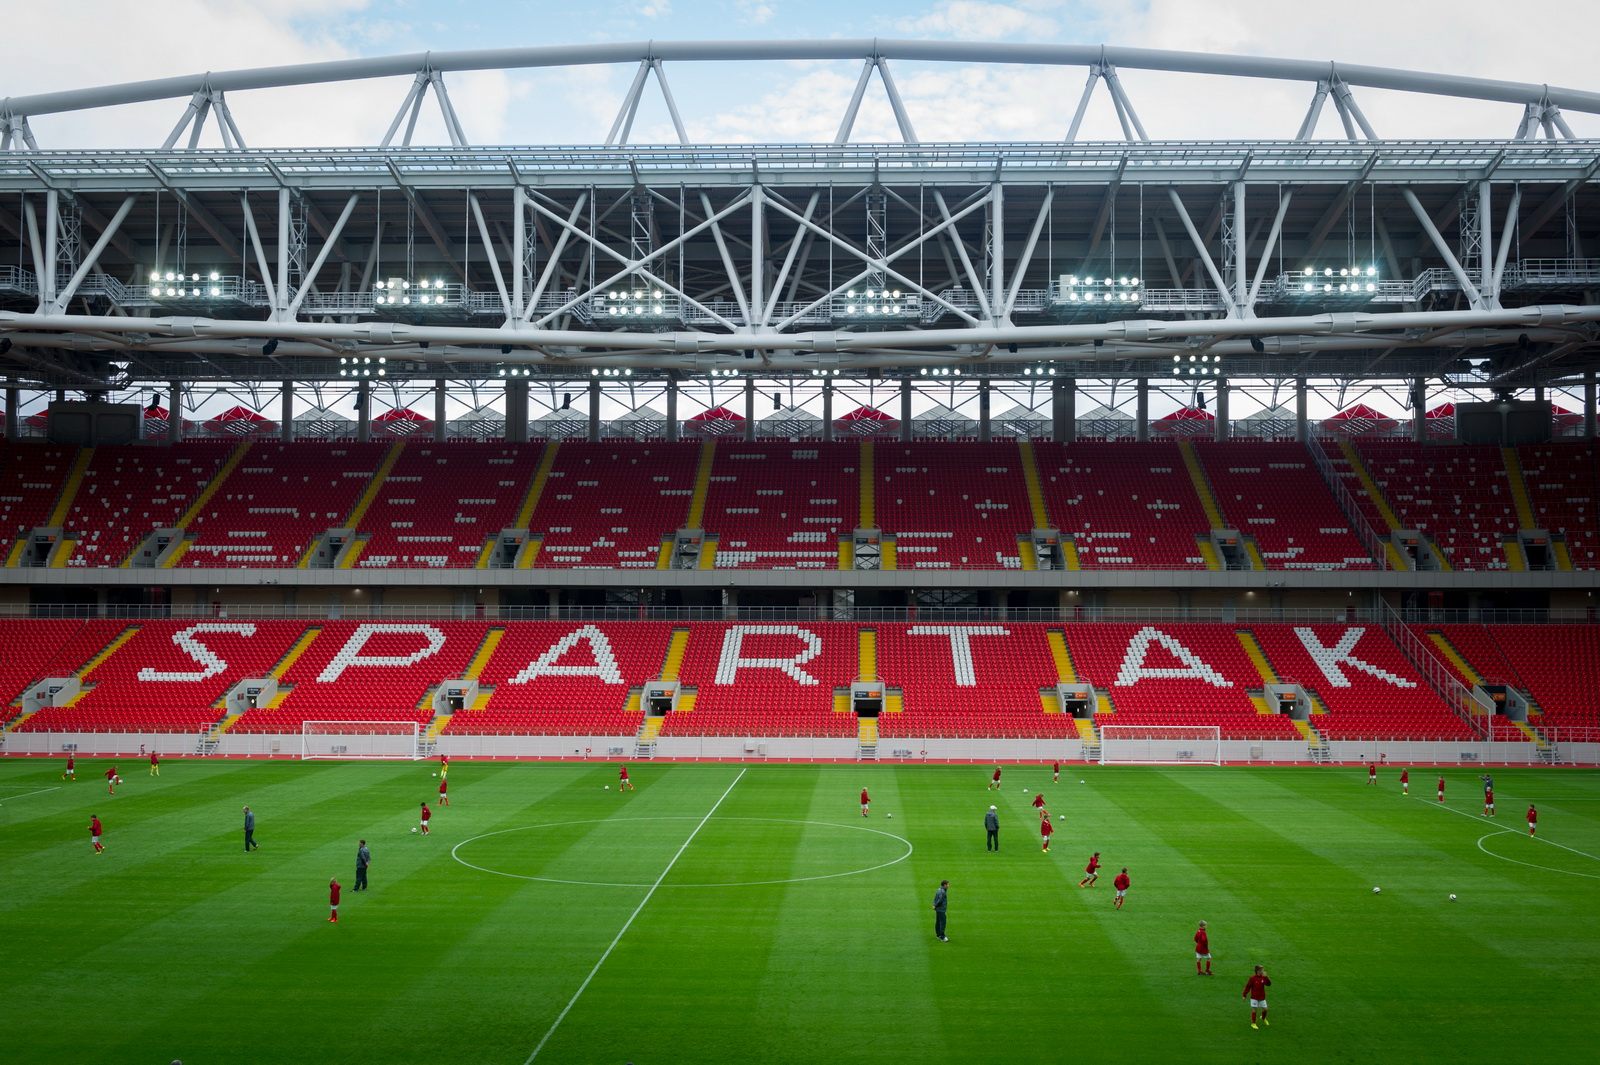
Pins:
x: 1271, y: 490
x: 1174, y: 674
x: 442, y: 502
x: 128, y: 492
x: 1558, y: 665
x: 1459, y: 494
x: 31, y: 478
x: 986, y: 684
x: 278, y: 500
x: 1127, y: 506
x: 1365, y: 681
x: 608, y: 505
x: 952, y: 505
x: 794, y: 699
x: 782, y: 506
x: 1563, y: 482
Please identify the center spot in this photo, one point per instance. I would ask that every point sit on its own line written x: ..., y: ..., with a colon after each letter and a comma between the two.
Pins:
x: 727, y: 851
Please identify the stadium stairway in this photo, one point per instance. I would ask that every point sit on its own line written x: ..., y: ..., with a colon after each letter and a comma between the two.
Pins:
x: 286, y: 662
x: 1374, y: 494
x: 1316, y: 746
x: 106, y: 652
x: 541, y: 477
x: 867, y: 515
x: 352, y: 554
x: 198, y: 506
x: 867, y: 739
x: 1090, y: 736
x: 1202, y: 485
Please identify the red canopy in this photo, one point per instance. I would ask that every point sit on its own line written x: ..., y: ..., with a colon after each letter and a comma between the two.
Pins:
x: 866, y: 421
x: 1186, y: 421
x: 1562, y: 417
x: 718, y: 421
x: 1443, y: 410
x: 402, y: 421
x: 1359, y: 420
x: 240, y: 421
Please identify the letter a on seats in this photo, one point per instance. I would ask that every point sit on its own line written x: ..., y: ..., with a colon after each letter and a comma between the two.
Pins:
x: 733, y: 659
x: 1329, y: 659
x: 350, y: 654
x: 212, y: 664
x: 1194, y: 667
x: 603, y: 664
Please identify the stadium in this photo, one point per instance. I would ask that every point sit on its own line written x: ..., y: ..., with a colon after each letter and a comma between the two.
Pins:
x: 1195, y: 486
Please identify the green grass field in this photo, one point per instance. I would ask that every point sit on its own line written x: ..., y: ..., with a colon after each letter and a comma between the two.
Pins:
x: 784, y: 928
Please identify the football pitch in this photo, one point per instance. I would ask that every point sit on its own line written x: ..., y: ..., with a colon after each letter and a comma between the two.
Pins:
x: 724, y: 913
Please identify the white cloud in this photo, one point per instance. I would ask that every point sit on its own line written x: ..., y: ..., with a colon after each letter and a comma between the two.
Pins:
x: 977, y: 20
x: 755, y: 12
x: 655, y: 8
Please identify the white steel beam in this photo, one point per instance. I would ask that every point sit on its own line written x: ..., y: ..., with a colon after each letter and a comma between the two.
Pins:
x: 1474, y: 297
x: 322, y: 257
x: 64, y: 298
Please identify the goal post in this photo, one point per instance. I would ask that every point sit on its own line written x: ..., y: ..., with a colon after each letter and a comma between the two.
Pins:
x: 1160, y: 745
x: 325, y: 740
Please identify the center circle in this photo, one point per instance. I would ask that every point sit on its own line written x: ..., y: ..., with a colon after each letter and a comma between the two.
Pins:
x: 533, y: 852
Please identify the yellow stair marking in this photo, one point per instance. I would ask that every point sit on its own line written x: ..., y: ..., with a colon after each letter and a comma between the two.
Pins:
x: 1317, y: 705
x: 632, y: 705
x: 702, y: 486
x: 1103, y: 704
x: 1260, y: 703
x: 1208, y: 551
x: 1202, y: 485
x: 69, y: 491
x: 1519, y: 487
x: 687, y: 697
x: 867, y: 654
x: 178, y: 552
x: 675, y: 653
x: 1258, y: 657
x: 62, y: 552
x: 1353, y: 458
x: 1030, y: 476
x: 352, y: 554
x: 1563, y: 557
x: 1516, y: 558
x: 1393, y: 554
x: 481, y: 700
x: 1254, y: 553
x: 547, y: 461
x: 107, y: 651
x: 214, y: 485
x: 1050, y: 701
x: 1531, y: 732
x: 708, y: 554
x: 530, y: 551
x: 1438, y: 553
x: 436, y: 726
x: 226, y: 724
x: 894, y: 702
x: 486, y: 554
x: 15, y: 555
x: 652, y: 729
x: 841, y: 701
x: 1069, y: 552
x: 374, y: 486
x: 1086, y: 731
x: 11, y: 726
x: 1307, y: 732
x: 1066, y: 673
x: 1026, y: 553
x: 888, y: 556
x: 664, y: 558
x: 866, y: 480
x: 280, y: 670
x: 847, y: 554
x: 491, y: 640
x: 867, y: 731
x: 1455, y: 657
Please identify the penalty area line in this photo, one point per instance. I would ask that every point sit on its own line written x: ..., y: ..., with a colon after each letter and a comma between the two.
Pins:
x: 631, y: 918
x: 26, y: 794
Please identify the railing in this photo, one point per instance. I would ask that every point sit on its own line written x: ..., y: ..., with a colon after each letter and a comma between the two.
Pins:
x: 1347, y: 502
x: 1440, y: 677
x: 1552, y: 273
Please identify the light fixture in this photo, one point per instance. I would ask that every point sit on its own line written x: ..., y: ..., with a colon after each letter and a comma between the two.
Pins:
x: 1124, y: 289
x: 878, y: 303
x: 398, y: 292
x: 1331, y: 282
x: 270, y: 346
x: 566, y: 401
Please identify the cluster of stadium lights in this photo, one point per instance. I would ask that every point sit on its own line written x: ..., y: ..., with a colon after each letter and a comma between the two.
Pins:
x: 939, y: 371
x: 1075, y: 289
x: 611, y: 371
x: 724, y: 373
x: 1197, y: 365
x: 172, y: 283
x: 636, y: 302
x: 1346, y: 280
x: 879, y: 303
x: 825, y: 373
x: 397, y: 292
x: 362, y: 366
x: 1040, y: 371
x: 516, y: 371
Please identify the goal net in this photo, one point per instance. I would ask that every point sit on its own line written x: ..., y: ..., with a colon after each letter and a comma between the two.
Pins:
x: 360, y: 739
x: 1160, y: 745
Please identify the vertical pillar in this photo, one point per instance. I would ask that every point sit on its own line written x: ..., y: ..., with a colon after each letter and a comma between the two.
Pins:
x: 827, y: 410
x: 1588, y: 408
x: 441, y: 427
x: 286, y: 415
x: 1485, y: 243
x: 985, y: 431
x: 672, y: 408
x: 1221, y: 425
x: 363, y: 411
x: 1301, y: 426
x: 1064, y: 410
x: 14, y: 397
x: 517, y: 411
x: 1141, y: 414
x: 594, y: 412
x: 1419, y: 411
x: 1241, y: 283
x: 174, y: 411
x: 905, y: 409
x: 749, y: 409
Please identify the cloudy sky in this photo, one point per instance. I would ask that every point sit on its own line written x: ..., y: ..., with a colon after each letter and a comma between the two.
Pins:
x: 112, y: 42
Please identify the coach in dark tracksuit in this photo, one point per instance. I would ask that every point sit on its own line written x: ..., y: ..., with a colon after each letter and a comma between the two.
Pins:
x: 250, y: 843
x: 991, y: 825
x: 363, y: 859
x: 941, y: 899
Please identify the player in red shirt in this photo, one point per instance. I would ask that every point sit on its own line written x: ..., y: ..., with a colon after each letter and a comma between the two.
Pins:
x: 866, y: 800
x: 333, y: 901
x: 1405, y: 782
x: 155, y: 764
x: 1121, y: 884
x: 95, y: 832
x: 72, y: 769
x: 623, y: 783
x: 111, y: 781
x: 1533, y: 820
x: 444, y: 792
x: 1255, y: 989
x: 1488, y: 802
x: 994, y: 781
x: 1372, y: 772
x: 1441, y: 787
x: 426, y: 814
x: 1091, y: 872
x: 1056, y: 774
x: 1045, y: 829
x: 1202, y: 951
x: 444, y: 766
x: 1038, y: 804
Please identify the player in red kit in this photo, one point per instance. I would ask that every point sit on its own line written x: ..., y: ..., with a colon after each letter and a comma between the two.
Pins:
x: 1488, y: 802
x: 1405, y: 782
x: 1038, y: 804
x: 333, y: 902
x: 1533, y: 820
x: 994, y: 781
x: 71, y: 772
x: 1121, y: 884
x: 1045, y: 829
x: 1441, y: 787
x: 866, y: 801
x: 623, y: 783
x: 1055, y: 777
x: 1091, y: 872
x: 111, y: 781
x: 95, y: 832
x: 444, y: 766
x: 426, y: 815
x: 1372, y: 772
x: 155, y: 764
x: 1255, y: 989
x: 444, y: 792
x: 1202, y: 951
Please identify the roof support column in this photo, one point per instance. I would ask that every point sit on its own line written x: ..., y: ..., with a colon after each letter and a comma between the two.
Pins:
x: 363, y: 411
x: 1419, y: 411
x: 441, y: 428
x: 593, y: 434
x: 827, y: 410
x: 175, y: 412
x: 1301, y: 427
x: 517, y: 411
x: 1474, y: 297
x: 672, y: 409
x: 1220, y: 427
x: 1064, y: 410
x: 286, y: 414
x: 984, y: 429
x: 1588, y: 408
x: 905, y: 409
x: 749, y: 409
x: 1141, y: 410
x: 14, y: 422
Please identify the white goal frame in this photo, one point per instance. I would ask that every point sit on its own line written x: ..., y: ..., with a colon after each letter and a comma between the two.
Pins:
x: 360, y: 740
x: 1160, y: 745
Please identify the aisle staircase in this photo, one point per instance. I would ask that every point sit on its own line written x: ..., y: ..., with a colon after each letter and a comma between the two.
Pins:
x: 867, y: 739
x: 867, y: 486
x: 1090, y: 735
x: 1258, y: 657
x: 197, y: 508
x: 1358, y: 466
x: 541, y: 477
x: 1316, y: 746
x: 285, y: 663
x: 644, y: 742
x: 1542, y: 747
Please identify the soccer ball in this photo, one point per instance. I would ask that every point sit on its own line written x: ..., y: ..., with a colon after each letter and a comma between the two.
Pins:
x: 436, y: 774
x: 1377, y: 891
x: 119, y: 780
x: 413, y: 828
x: 608, y: 787
x: 1080, y: 782
x: 1452, y: 898
x: 891, y: 815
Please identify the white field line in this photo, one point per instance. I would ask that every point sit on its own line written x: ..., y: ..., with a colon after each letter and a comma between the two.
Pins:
x: 24, y: 795
x: 629, y: 922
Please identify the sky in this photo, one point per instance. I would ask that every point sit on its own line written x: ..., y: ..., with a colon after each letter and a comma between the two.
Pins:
x: 785, y: 101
